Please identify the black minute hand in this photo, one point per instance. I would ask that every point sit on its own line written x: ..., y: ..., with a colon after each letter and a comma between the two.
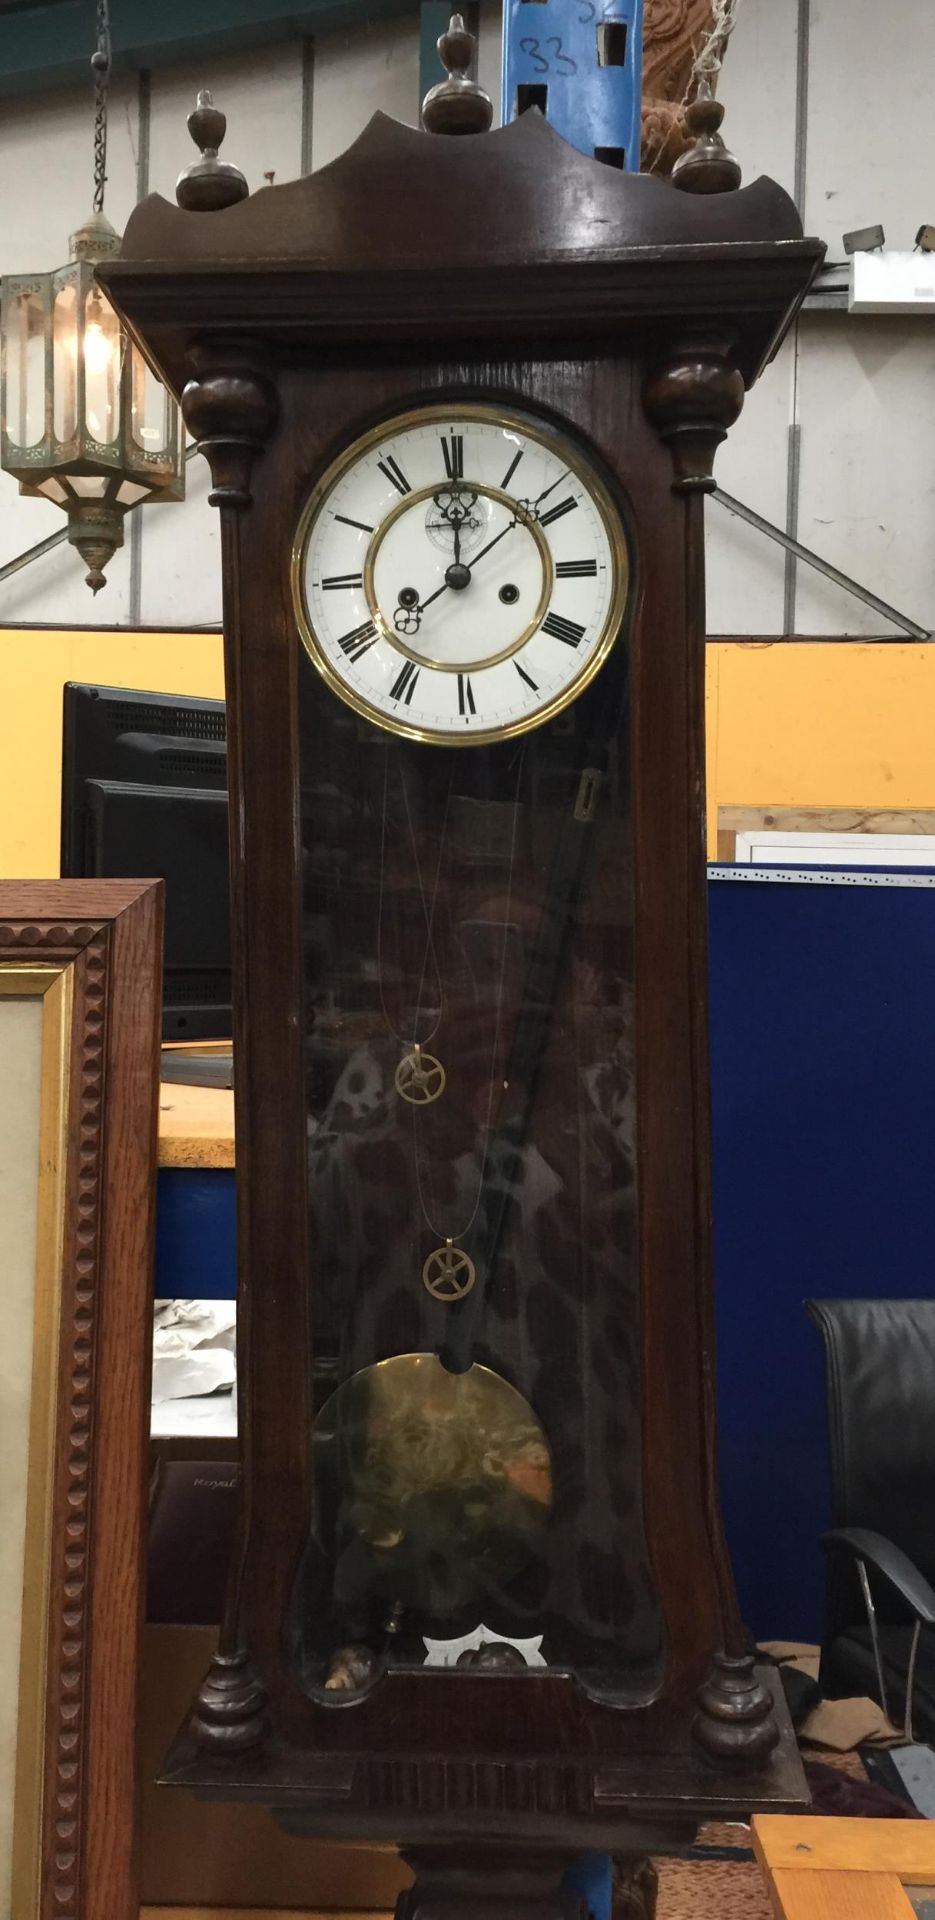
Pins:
x: 551, y: 489
x: 492, y: 543
x: 478, y: 556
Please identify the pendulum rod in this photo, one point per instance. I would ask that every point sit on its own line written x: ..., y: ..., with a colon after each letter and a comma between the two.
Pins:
x: 566, y: 885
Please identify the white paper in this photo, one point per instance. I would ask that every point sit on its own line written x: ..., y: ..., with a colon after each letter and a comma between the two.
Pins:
x: 193, y: 1348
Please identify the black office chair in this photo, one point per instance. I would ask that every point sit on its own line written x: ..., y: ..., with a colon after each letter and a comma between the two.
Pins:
x: 880, y: 1368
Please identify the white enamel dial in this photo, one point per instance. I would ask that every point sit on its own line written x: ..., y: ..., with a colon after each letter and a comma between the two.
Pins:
x: 460, y: 574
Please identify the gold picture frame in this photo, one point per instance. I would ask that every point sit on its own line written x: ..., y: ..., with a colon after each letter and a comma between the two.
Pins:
x: 80, y: 972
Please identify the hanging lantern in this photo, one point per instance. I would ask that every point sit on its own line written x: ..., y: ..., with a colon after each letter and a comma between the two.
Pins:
x: 83, y: 420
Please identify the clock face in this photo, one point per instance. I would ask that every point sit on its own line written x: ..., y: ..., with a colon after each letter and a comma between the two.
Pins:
x: 460, y: 574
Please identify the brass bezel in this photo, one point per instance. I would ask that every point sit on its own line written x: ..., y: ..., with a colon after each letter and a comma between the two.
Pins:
x: 585, y: 472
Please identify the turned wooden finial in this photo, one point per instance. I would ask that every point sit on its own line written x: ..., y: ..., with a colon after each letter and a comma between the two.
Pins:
x: 457, y: 104
x: 209, y: 183
x: 706, y: 166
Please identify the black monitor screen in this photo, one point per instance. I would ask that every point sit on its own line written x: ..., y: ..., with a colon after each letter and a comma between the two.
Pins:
x: 144, y: 796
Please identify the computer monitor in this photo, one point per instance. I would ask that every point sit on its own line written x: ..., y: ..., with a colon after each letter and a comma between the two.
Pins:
x: 144, y: 796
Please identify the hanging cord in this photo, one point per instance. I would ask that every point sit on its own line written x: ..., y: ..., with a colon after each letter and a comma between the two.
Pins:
x: 701, y: 83
x: 462, y: 1232
x: 710, y: 56
x: 428, y: 910
x: 100, y: 68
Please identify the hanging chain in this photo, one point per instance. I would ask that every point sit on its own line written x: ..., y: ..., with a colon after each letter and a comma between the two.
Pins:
x: 100, y: 67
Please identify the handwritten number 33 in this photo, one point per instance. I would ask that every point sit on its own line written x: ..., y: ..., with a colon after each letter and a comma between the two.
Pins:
x: 561, y: 63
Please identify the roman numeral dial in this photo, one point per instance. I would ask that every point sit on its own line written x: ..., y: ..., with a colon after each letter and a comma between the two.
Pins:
x: 342, y: 582
x: 453, y: 450
x: 568, y: 505
x: 394, y: 474
x: 405, y: 684
x: 461, y: 574
x: 571, y: 631
x: 355, y: 643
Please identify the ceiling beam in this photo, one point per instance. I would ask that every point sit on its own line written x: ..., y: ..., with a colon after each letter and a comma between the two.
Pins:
x: 50, y: 45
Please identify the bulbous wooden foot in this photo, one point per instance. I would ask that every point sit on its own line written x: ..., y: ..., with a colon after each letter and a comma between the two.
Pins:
x: 735, y: 1719
x: 230, y: 1710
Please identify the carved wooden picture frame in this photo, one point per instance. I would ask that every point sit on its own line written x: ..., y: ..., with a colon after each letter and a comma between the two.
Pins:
x: 80, y: 974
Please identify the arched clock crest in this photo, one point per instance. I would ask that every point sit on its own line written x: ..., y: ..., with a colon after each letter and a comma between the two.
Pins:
x: 461, y: 398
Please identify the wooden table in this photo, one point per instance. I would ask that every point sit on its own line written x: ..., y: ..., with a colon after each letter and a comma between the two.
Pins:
x: 830, y: 1869
x: 196, y: 1126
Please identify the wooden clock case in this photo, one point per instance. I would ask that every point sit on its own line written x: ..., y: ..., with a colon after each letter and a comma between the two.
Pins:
x: 418, y: 266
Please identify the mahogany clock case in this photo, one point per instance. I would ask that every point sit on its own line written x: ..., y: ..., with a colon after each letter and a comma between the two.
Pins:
x: 631, y: 316
x: 571, y: 1338
x: 579, y: 1361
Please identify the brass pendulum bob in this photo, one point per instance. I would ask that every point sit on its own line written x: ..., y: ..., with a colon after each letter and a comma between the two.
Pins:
x: 430, y: 1487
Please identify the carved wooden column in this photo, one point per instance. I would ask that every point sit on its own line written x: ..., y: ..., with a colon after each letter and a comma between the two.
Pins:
x: 693, y: 397
x: 229, y: 406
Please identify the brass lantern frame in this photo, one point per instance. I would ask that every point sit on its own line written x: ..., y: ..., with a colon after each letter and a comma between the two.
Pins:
x: 95, y: 476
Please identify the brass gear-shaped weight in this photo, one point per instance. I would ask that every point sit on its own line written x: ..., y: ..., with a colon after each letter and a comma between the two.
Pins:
x: 420, y: 1078
x: 449, y: 1273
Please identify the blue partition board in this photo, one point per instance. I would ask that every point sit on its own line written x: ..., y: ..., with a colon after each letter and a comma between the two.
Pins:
x: 195, y: 1234
x: 591, y: 1875
x: 823, y: 1096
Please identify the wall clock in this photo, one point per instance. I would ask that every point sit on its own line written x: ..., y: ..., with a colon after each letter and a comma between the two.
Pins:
x: 460, y: 573
x: 482, y: 1606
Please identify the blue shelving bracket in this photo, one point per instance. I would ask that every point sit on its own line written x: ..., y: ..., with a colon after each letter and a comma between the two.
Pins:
x: 581, y: 63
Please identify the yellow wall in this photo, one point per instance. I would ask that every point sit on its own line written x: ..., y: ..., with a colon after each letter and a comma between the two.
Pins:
x: 34, y: 667
x: 848, y: 725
